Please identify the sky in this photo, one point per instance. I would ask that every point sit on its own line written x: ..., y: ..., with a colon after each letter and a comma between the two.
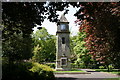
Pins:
x: 52, y: 27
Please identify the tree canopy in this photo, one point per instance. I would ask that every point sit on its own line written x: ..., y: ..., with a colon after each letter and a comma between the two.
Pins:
x: 19, y: 19
x: 81, y: 51
x: 101, y: 23
x: 44, y: 46
x: 99, y: 20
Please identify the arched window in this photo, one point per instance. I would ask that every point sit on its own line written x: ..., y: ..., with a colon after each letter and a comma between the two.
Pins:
x: 63, y: 40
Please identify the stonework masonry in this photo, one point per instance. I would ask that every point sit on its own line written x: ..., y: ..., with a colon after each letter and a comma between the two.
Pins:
x: 63, y: 45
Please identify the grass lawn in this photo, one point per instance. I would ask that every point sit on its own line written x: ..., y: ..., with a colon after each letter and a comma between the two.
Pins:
x: 73, y: 70
x: 113, y: 71
x: 113, y: 79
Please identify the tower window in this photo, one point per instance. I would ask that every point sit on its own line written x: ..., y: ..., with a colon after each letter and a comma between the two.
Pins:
x: 63, y: 40
x: 63, y: 62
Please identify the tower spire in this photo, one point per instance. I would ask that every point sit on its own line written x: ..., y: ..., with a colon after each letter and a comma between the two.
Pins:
x: 63, y: 18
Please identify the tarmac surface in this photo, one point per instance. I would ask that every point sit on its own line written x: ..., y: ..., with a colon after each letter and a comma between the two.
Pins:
x: 93, y: 76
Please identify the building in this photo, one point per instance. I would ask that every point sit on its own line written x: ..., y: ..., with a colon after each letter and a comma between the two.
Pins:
x: 63, y: 45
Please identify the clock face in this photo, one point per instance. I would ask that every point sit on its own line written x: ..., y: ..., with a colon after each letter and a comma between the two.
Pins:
x: 63, y: 27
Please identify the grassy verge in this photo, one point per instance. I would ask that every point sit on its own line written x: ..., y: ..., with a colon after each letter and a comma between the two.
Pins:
x: 69, y: 71
x: 113, y: 79
x: 73, y: 70
x: 113, y: 71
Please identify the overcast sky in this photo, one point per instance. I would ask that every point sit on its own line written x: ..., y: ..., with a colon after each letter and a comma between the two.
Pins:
x: 52, y: 27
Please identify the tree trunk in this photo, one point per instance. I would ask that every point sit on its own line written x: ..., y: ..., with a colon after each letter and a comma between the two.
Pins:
x: 108, y: 69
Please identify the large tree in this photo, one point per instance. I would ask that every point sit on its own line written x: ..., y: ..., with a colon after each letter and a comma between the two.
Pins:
x: 101, y: 22
x: 17, y: 48
x: 18, y: 19
x: 25, y: 15
x: 44, y: 46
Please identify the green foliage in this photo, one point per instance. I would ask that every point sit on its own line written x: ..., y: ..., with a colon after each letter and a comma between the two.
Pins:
x: 43, y: 71
x: 16, y: 71
x: 38, y: 67
x: 52, y: 65
x: 72, y: 70
x: 101, y: 67
x: 83, y: 59
x: 17, y: 47
x: 102, y: 38
x: 25, y: 15
x: 73, y: 65
x: 72, y: 45
x: 27, y: 70
x: 111, y: 67
x: 18, y: 19
x: 44, y: 46
x: 37, y: 56
x: 78, y: 65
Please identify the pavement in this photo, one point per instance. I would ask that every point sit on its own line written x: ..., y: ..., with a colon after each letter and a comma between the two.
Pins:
x: 93, y: 76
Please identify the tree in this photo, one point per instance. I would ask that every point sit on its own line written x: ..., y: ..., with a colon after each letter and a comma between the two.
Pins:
x: 44, y: 46
x: 81, y: 51
x: 72, y: 45
x: 21, y: 17
x: 25, y: 15
x: 102, y: 38
x: 17, y: 48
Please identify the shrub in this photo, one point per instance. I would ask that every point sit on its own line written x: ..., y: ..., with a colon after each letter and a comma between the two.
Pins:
x: 82, y: 65
x: 101, y: 67
x: 111, y: 67
x: 16, y: 71
x: 52, y: 65
x: 43, y: 71
x: 74, y: 65
x: 27, y: 71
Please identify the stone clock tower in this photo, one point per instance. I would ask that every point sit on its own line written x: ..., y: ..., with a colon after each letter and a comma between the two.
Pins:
x: 63, y: 45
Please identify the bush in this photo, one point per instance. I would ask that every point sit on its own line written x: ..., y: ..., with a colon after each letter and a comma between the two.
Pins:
x: 101, y: 67
x: 52, y: 65
x: 27, y: 71
x: 82, y: 65
x: 74, y: 65
x: 16, y: 71
x: 42, y: 71
x: 111, y: 67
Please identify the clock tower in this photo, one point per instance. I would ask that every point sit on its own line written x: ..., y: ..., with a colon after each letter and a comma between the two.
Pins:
x: 63, y: 45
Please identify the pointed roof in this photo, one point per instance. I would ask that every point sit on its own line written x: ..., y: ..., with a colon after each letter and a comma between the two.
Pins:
x: 63, y: 18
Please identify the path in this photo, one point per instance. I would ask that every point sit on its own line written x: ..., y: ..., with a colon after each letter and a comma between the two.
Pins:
x: 92, y: 76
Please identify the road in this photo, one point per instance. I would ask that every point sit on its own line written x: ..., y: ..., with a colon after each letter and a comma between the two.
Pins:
x: 92, y: 76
